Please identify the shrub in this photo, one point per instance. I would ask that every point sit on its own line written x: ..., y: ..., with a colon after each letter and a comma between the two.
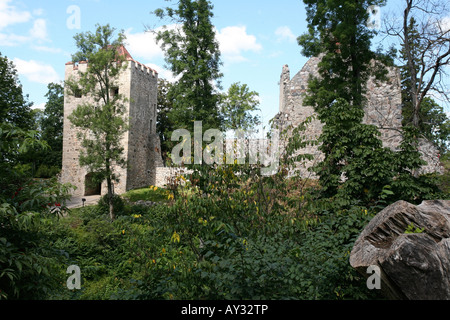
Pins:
x: 103, y: 204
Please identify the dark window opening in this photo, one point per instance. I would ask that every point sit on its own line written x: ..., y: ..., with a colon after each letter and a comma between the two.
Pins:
x: 92, y: 188
x: 114, y: 92
x: 77, y: 93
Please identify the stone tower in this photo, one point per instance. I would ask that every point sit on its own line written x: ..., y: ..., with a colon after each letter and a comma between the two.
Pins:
x: 383, y: 109
x: 138, y: 84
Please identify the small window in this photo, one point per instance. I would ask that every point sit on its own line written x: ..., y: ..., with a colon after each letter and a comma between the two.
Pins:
x: 114, y: 92
x: 77, y: 93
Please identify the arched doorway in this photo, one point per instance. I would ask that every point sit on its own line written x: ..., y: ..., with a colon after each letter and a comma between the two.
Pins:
x: 91, y: 188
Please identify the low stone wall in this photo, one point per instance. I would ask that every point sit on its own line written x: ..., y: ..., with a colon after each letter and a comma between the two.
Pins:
x: 165, y: 174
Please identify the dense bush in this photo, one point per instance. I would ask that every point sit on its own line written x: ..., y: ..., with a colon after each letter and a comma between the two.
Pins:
x: 103, y: 204
x: 217, y: 242
x: 29, y: 263
x: 45, y: 171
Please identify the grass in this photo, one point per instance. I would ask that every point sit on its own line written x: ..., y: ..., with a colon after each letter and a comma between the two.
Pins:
x: 152, y: 193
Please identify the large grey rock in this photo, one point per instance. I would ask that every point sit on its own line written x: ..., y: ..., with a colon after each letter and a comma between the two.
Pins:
x: 413, y: 266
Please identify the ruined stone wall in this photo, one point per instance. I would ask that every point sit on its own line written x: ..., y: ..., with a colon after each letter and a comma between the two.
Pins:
x: 383, y: 110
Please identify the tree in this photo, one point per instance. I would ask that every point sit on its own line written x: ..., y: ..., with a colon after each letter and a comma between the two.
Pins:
x: 237, y: 106
x: 15, y: 112
x: 14, y: 107
x: 425, y: 113
x: 164, y: 126
x: 52, y: 124
x: 192, y: 54
x: 434, y: 125
x: 425, y: 50
x: 49, y: 124
x: 102, y: 124
x: 337, y: 32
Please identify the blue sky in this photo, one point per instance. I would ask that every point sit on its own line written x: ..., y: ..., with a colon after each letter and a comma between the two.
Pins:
x: 256, y: 39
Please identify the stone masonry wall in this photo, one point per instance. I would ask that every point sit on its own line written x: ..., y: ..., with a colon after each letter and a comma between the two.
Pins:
x: 382, y: 110
x: 138, y: 84
x: 142, y: 156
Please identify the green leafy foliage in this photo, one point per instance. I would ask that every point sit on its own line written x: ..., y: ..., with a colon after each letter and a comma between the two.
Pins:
x: 164, y: 125
x: 226, y: 233
x: 239, y: 105
x: 103, y: 204
x: 14, y: 107
x: 192, y: 53
x: 52, y: 128
x: 28, y: 211
x: 412, y: 229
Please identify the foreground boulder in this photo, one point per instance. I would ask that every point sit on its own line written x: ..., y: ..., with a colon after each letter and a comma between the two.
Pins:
x: 413, y: 265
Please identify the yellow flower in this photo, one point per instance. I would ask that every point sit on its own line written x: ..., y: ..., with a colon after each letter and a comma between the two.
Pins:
x: 175, y: 237
x: 137, y: 216
x: 123, y: 231
x: 164, y: 250
x: 153, y: 261
x: 170, y: 197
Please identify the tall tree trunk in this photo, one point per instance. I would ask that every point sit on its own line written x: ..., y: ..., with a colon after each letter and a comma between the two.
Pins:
x: 413, y: 74
x: 411, y: 65
x: 110, y: 198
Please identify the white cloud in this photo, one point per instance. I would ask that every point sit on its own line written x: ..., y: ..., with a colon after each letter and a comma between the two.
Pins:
x: 11, y: 15
x: 143, y: 45
x: 234, y: 40
x: 36, y: 71
x: 47, y: 49
x: 12, y: 40
x: 37, y: 33
x: 285, y: 33
x: 39, y: 106
x: 445, y: 23
x: 39, y: 30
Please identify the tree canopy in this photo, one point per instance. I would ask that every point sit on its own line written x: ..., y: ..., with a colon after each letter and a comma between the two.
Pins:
x: 192, y: 54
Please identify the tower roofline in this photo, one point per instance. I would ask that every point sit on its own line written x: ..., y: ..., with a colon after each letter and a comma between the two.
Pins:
x: 122, y: 52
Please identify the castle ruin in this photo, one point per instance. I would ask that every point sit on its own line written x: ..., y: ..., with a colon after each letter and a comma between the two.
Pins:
x: 138, y: 84
x: 383, y: 109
